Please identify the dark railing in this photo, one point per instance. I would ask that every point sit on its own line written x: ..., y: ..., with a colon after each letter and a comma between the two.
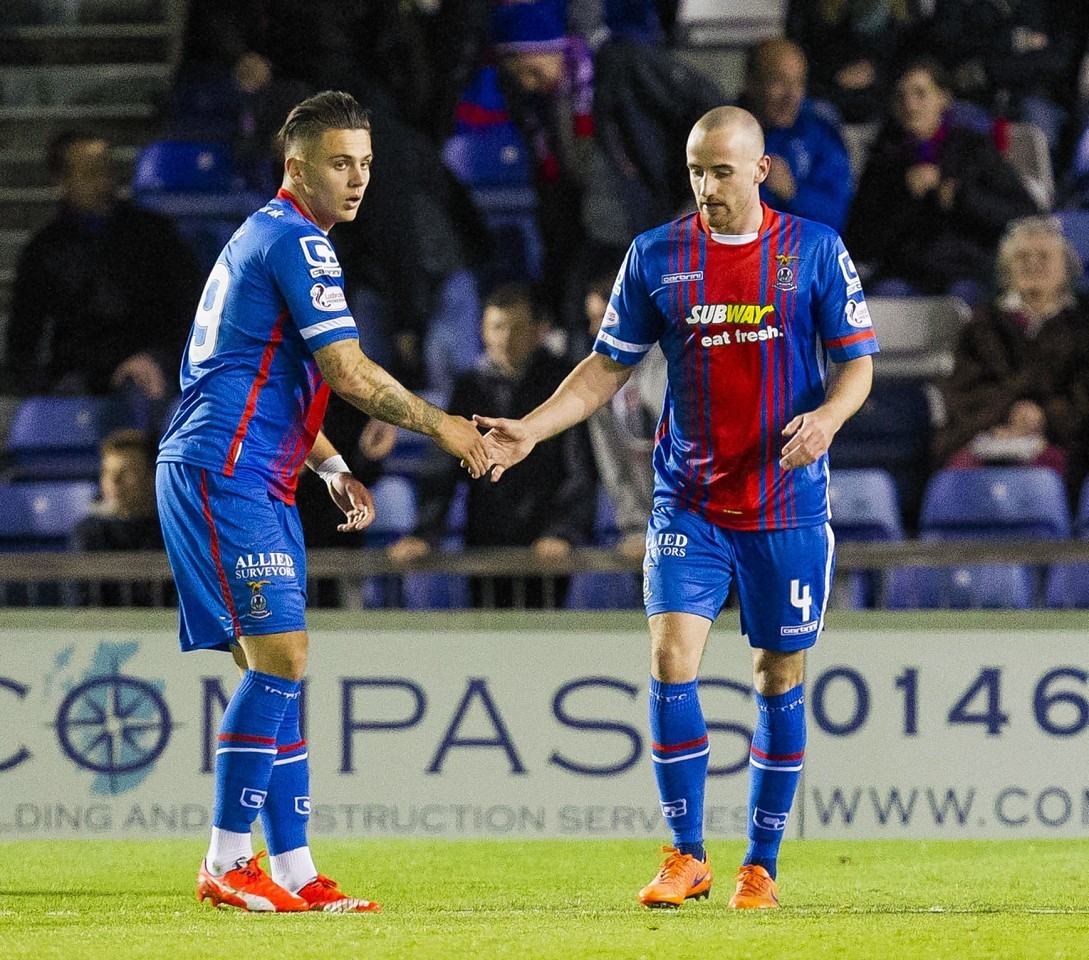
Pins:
x: 348, y: 567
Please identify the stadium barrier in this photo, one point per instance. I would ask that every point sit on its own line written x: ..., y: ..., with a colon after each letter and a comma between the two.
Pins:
x: 504, y: 724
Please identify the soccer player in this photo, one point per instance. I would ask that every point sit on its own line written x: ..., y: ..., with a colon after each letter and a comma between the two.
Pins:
x: 272, y: 335
x: 748, y: 305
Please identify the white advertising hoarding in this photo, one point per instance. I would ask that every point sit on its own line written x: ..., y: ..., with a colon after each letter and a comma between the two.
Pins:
x: 456, y: 732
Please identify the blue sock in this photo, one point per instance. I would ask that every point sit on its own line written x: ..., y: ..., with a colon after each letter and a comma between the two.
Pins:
x: 247, y: 747
x: 287, y: 809
x: 680, y: 752
x: 775, y: 765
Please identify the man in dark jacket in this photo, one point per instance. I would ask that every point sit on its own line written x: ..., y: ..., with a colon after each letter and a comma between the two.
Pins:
x: 550, y: 506
x: 105, y: 292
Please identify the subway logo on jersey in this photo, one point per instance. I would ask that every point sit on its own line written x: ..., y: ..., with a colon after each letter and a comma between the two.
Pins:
x: 749, y: 314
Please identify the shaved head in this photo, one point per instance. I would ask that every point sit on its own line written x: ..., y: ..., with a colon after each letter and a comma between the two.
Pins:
x: 740, y: 123
x: 726, y: 165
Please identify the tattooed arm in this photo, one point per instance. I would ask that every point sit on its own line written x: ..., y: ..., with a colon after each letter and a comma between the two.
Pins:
x: 364, y: 384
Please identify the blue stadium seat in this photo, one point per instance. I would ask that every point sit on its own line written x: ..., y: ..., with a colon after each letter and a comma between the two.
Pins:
x: 180, y: 166
x: 41, y: 515
x: 983, y: 503
x: 1068, y: 583
x: 194, y: 184
x: 493, y: 162
x: 865, y: 507
x: 606, y: 531
x: 1075, y: 224
x: 890, y: 432
x: 58, y: 437
x: 394, y: 509
x: 601, y: 590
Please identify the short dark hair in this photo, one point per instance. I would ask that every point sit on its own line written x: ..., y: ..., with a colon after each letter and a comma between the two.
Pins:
x: 942, y: 78
x: 56, y: 154
x: 329, y: 110
x: 510, y: 296
x: 130, y: 441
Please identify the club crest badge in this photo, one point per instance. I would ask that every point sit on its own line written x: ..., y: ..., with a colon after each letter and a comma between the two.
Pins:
x: 258, y: 603
x: 784, y: 274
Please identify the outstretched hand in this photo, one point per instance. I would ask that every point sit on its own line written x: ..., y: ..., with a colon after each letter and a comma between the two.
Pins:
x: 461, y: 438
x: 354, y: 500
x: 506, y: 443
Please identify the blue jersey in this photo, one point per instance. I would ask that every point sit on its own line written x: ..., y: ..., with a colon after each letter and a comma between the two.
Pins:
x: 253, y: 398
x: 747, y: 330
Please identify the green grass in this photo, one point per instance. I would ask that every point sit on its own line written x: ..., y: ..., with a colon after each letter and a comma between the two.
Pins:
x: 478, y: 900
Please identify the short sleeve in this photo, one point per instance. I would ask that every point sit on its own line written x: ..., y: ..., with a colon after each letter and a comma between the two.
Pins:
x: 310, y: 279
x: 843, y: 317
x: 632, y: 324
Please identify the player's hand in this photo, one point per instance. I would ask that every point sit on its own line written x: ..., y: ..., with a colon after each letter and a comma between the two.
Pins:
x: 507, y: 442
x: 460, y: 437
x: 354, y: 500
x: 408, y: 550
x: 810, y: 435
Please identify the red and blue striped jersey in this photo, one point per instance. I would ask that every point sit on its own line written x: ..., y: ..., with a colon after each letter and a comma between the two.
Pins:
x: 253, y: 398
x: 747, y: 330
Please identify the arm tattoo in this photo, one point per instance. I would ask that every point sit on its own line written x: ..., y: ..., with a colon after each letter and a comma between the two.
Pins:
x: 367, y: 386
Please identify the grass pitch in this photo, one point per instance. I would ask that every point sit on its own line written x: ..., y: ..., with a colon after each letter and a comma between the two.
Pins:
x: 479, y: 900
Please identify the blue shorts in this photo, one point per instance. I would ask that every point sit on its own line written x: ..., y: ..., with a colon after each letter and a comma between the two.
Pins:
x: 237, y: 555
x: 783, y: 577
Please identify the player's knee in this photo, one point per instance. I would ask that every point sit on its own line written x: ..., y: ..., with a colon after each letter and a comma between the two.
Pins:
x: 776, y: 673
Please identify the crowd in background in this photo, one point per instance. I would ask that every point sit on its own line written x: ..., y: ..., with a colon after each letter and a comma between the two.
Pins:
x: 598, y: 100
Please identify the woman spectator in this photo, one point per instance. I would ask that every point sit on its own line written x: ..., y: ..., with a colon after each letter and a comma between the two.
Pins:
x: 1019, y: 391
x: 933, y: 198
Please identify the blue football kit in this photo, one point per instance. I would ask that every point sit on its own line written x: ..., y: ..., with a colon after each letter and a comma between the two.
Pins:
x: 252, y: 402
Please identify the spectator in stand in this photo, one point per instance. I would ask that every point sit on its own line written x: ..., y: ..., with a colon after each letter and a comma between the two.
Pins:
x: 546, y: 77
x: 1013, y: 57
x: 622, y: 432
x: 933, y: 198
x: 810, y: 172
x: 1019, y: 391
x: 125, y: 518
x: 851, y: 46
x: 550, y: 506
x: 104, y: 292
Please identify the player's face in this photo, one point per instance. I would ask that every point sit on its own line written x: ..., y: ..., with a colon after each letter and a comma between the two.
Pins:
x: 725, y: 171
x: 332, y: 176
x: 920, y: 104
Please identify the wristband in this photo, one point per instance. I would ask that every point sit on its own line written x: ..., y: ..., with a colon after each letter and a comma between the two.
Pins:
x: 331, y: 467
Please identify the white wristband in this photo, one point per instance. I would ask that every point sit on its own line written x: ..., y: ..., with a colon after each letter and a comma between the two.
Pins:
x: 331, y: 467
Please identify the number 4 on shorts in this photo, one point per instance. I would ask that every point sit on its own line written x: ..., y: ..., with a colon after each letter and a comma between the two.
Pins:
x: 801, y: 597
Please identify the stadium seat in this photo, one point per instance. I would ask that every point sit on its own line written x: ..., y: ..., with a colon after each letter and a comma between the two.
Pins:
x: 40, y: 515
x: 394, y: 508
x: 493, y: 162
x: 1068, y: 583
x: 58, y: 437
x: 194, y: 184
x: 1028, y: 153
x: 865, y: 507
x: 1075, y: 225
x: 606, y: 532
x: 890, y: 432
x: 601, y: 590
x: 983, y: 503
x: 917, y: 334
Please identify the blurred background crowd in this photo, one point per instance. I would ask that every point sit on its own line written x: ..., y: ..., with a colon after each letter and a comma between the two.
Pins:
x: 519, y: 146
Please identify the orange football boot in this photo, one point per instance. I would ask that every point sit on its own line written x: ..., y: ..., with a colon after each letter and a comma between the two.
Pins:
x: 324, y: 894
x: 248, y: 887
x: 681, y: 877
x: 755, y: 890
